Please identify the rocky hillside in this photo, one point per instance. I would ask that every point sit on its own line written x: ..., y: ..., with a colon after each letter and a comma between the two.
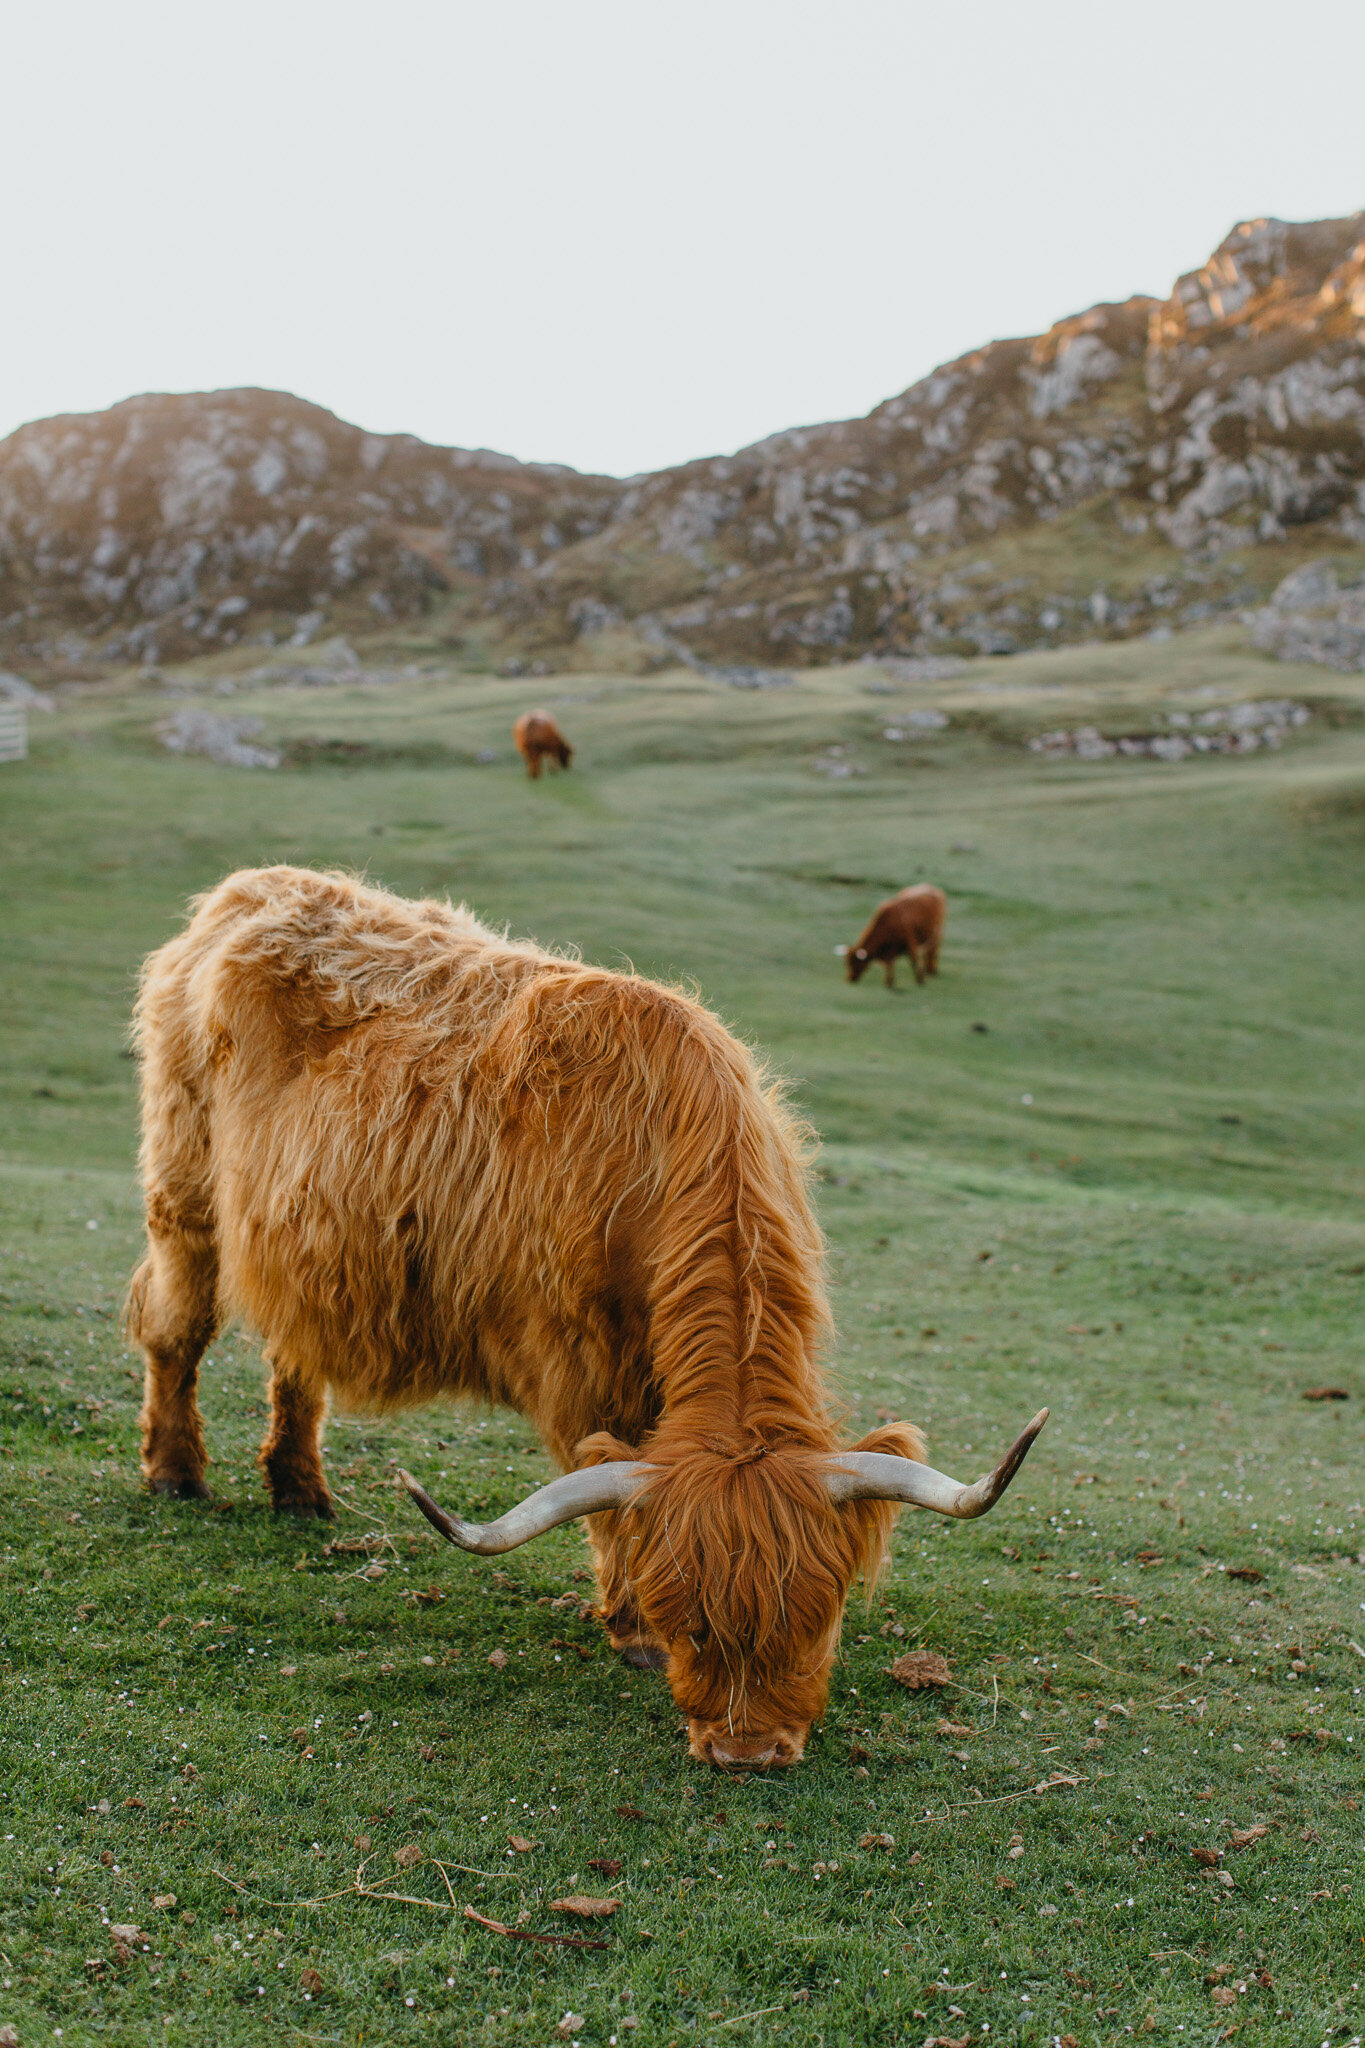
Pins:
x: 1142, y: 463
x: 173, y: 523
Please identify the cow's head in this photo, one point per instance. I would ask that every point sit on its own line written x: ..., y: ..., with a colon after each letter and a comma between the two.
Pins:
x: 855, y: 962
x: 738, y: 1561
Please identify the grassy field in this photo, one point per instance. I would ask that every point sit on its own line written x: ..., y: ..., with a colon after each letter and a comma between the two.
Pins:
x: 281, y: 1752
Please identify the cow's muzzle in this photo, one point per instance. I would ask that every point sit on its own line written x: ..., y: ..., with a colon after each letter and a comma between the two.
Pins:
x: 711, y: 1742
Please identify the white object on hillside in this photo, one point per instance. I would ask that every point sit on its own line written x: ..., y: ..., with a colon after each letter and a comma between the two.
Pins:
x: 14, y: 690
x: 13, y: 733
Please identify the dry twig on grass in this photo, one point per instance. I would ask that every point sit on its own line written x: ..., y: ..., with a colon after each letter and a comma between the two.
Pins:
x: 524, y: 1933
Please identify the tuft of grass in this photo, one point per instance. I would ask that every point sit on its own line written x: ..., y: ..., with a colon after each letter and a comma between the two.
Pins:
x: 1159, y: 1627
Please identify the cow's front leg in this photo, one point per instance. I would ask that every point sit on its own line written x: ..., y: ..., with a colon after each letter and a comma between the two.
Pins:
x: 289, y: 1457
x: 889, y: 969
x: 627, y: 1631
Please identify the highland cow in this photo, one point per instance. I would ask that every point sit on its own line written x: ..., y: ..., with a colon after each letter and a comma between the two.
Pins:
x: 421, y: 1160
x: 910, y: 923
x: 539, y: 739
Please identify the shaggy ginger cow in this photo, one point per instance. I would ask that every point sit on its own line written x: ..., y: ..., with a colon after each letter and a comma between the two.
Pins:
x: 538, y: 739
x: 421, y: 1160
x: 909, y: 923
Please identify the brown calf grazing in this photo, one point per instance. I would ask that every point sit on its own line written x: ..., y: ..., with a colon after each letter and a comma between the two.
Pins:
x: 539, y: 739
x: 911, y: 923
x: 420, y: 1160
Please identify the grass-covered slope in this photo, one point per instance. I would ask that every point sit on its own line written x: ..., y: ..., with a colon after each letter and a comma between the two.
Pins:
x: 1134, y: 1195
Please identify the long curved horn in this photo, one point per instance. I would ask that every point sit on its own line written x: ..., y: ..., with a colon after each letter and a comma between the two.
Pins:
x: 875, y: 1475
x: 590, y: 1492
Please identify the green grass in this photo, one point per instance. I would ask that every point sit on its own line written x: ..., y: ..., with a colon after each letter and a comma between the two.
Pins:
x: 1165, y: 1244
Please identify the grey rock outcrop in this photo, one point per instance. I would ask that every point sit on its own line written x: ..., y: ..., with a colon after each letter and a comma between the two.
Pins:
x: 1313, y: 617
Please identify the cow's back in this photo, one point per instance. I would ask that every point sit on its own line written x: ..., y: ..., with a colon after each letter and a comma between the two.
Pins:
x: 537, y: 729
x: 920, y: 910
x: 431, y: 1155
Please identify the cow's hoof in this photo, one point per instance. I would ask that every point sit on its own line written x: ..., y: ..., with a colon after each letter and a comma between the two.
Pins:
x: 179, y: 1489
x: 644, y: 1657
x: 305, y: 1505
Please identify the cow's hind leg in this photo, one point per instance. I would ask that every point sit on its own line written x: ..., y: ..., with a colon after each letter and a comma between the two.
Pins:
x: 916, y: 963
x: 172, y: 1313
x: 290, y: 1457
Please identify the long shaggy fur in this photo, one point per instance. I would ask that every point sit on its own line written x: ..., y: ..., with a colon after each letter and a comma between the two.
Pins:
x: 419, y: 1160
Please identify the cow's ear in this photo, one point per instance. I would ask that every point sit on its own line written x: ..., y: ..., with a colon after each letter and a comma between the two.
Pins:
x: 842, y: 951
x: 603, y: 1448
x: 861, y: 953
x: 900, y: 1439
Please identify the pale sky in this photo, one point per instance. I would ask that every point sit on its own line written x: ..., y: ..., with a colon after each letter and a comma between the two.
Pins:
x: 618, y: 233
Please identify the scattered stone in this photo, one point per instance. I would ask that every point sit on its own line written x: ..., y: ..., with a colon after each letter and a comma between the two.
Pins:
x: 919, y: 668
x: 743, y: 677
x: 226, y: 741
x: 836, y: 764
x: 916, y: 725
x: 1234, y: 729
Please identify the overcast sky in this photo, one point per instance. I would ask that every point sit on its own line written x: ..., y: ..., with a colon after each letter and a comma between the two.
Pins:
x: 622, y: 233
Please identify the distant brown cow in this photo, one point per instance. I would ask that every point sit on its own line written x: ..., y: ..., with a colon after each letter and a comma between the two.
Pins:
x: 538, y: 739
x: 911, y: 923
